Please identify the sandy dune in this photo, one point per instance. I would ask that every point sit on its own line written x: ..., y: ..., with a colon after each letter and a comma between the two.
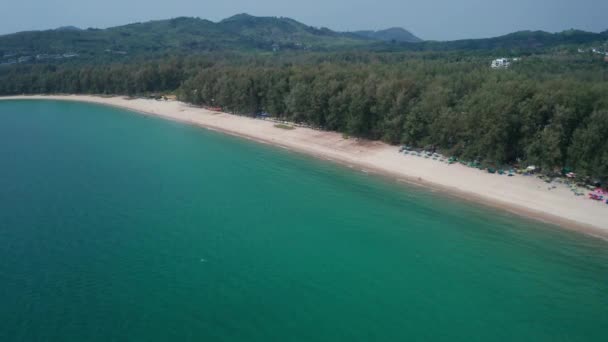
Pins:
x: 527, y: 196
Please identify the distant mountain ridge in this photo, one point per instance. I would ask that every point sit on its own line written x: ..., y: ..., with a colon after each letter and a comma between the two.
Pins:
x: 282, y: 30
x: 247, y: 33
x: 68, y: 28
x: 184, y: 34
x: 521, y: 40
x: 396, y: 34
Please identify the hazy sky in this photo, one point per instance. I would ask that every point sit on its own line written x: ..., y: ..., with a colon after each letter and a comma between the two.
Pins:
x: 429, y: 19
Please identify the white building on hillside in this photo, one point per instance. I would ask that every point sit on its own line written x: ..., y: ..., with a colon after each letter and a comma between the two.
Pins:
x: 500, y: 63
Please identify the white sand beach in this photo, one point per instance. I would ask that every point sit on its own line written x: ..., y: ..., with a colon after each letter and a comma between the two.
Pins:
x: 522, y: 195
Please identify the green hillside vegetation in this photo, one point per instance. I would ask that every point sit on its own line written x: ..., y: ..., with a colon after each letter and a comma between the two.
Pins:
x: 520, y: 42
x: 393, y: 34
x: 286, y: 32
x: 246, y: 33
x: 186, y: 35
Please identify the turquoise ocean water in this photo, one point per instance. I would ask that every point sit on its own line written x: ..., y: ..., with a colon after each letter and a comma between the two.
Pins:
x: 120, y: 227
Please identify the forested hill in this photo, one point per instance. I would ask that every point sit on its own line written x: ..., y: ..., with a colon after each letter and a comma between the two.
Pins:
x: 246, y: 33
x: 241, y: 32
x: 393, y: 34
x: 526, y: 41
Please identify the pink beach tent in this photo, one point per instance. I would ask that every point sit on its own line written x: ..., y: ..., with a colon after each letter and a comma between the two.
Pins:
x: 597, y: 194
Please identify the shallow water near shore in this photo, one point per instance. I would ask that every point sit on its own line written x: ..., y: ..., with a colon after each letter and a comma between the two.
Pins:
x: 120, y: 226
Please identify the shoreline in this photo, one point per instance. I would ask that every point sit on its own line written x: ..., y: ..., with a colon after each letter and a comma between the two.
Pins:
x: 520, y: 195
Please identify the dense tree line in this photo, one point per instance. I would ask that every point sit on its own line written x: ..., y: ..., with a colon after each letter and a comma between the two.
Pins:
x: 550, y: 111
